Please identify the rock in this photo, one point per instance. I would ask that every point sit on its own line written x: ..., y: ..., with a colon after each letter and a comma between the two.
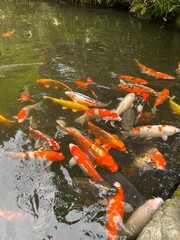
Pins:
x: 165, y: 224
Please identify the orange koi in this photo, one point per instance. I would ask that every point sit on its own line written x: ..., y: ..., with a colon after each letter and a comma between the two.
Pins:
x: 24, y: 112
x: 25, y: 96
x: 163, y: 95
x: 103, y: 114
x: 83, y: 161
x: 130, y: 78
x: 107, y: 139
x: 153, y: 73
x: 6, y: 34
x: 115, y: 214
x: 83, y: 85
x: 48, y: 142
x: 157, y: 158
x: 135, y: 88
x: 6, y: 121
x: 97, y: 154
x: 53, y: 83
x: 45, y: 154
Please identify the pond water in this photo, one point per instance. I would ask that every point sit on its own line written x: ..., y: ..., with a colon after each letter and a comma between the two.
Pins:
x: 73, y: 43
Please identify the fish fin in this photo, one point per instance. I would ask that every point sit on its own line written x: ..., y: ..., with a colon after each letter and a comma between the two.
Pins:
x: 15, y: 117
x: 81, y: 119
x: 154, y: 110
x: 128, y: 208
x: 38, y: 144
x: 112, y: 124
x: 119, y: 99
x: 61, y: 123
x: 64, y: 107
x: 56, y: 87
x: 164, y: 137
x: 74, y: 110
x: 73, y: 161
x: 98, y: 141
x: 122, y: 82
x: 106, y: 146
x: 114, y: 75
x: 47, y: 85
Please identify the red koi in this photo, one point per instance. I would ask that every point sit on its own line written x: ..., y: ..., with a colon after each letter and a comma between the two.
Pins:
x: 163, y: 95
x: 96, y: 153
x: 6, y: 34
x: 153, y: 73
x: 24, y: 112
x: 48, y: 142
x: 107, y: 139
x: 130, y: 78
x: 45, y: 154
x: 25, y: 96
x: 103, y: 114
x: 83, y: 161
x: 157, y: 158
x: 115, y: 214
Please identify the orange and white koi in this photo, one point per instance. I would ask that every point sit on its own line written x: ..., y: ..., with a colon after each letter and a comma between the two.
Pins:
x: 157, y: 158
x: 47, y: 141
x: 12, y: 216
x: 153, y: 73
x: 53, y: 83
x: 153, y: 131
x: 6, y: 34
x: 44, y: 154
x: 83, y: 85
x: 131, y: 79
x: 140, y: 103
x: 68, y: 104
x: 135, y: 88
x: 115, y: 214
x: 95, y: 152
x: 85, y: 100
x: 80, y: 158
x: 107, y: 139
x: 163, y: 95
x: 25, y: 96
x: 24, y: 112
x: 6, y: 121
x: 100, y: 114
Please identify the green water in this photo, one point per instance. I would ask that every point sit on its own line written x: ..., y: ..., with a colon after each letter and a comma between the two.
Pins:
x: 72, y: 43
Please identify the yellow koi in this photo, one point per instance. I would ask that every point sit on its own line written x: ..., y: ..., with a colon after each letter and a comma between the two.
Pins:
x: 6, y: 121
x: 174, y: 106
x: 68, y: 104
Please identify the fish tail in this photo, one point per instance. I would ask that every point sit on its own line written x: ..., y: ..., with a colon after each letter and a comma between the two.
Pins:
x: 114, y: 75
x: 81, y: 120
x: 47, y: 97
x: 173, y: 97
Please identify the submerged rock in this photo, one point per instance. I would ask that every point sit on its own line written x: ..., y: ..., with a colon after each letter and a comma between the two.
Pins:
x: 165, y: 224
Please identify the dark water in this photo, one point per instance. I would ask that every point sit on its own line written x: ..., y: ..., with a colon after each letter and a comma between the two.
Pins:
x: 73, y: 43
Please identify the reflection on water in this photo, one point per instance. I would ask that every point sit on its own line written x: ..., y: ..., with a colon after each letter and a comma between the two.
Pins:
x: 72, y: 43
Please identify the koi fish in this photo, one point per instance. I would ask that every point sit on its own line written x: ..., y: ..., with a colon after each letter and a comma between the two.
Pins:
x: 107, y: 139
x: 53, y: 83
x: 45, y: 154
x: 128, y: 119
x: 85, y: 100
x: 25, y: 96
x: 83, y: 85
x: 174, y: 106
x: 80, y: 158
x: 140, y: 218
x: 140, y: 103
x: 6, y: 121
x: 25, y: 111
x: 96, y: 153
x: 126, y: 102
x: 47, y: 141
x: 163, y: 95
x: 115, y: 214
x: 6, y: 34
x: 99, y: 114
x: 135, y: 88
x: 153, y: 131
x: 157, y: 158
x: 68, y: 104
x: 153, y: 73
x: 12, y: 216
x: 129, y: 79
